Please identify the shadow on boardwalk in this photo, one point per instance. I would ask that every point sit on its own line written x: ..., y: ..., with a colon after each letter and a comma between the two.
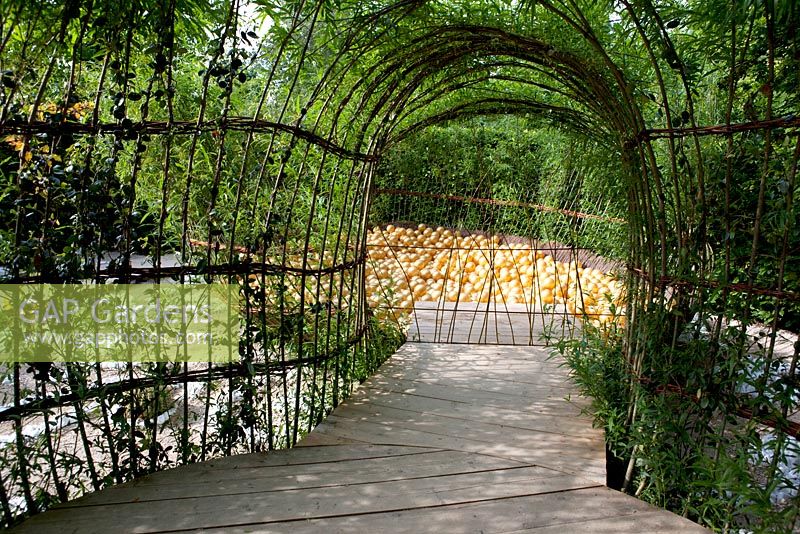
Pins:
x: 444, y: 438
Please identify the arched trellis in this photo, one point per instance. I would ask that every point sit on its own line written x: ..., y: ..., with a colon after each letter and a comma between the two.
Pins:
x: 270, y: 188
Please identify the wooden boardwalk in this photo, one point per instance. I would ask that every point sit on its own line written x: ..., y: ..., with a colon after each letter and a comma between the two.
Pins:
x: 444, y: 438
x: 488, y: 323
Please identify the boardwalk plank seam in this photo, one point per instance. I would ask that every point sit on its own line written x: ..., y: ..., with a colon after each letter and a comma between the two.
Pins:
x: 476, y: 441
x: 481, y: 421
x: 485, y: 391
x: 321, y: 486
x: 388, y: 511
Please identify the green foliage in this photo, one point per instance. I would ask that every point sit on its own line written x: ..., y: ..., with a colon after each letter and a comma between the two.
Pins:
x: 602, y: 374
x: 693, y: 454
x: 505, y: 159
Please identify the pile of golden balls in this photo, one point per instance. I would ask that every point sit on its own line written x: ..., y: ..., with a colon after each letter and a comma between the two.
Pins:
x: 423, y: 264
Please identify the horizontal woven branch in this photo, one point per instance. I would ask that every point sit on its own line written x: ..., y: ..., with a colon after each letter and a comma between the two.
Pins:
x: 495, y: 202
x: 788, y: 427
x: 243, y: 124
x: 252, y: 267
x: 674, y: 281
x: 218, y: 372
x: 789, y: 121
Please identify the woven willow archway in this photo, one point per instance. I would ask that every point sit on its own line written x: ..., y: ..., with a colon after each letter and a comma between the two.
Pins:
x: 124, y: 163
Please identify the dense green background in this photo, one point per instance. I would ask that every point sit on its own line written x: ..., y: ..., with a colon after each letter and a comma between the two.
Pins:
x: 506, y: 158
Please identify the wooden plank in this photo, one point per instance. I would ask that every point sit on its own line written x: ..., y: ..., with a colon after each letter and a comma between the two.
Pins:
x: 494, y: 432
x: 556, y: 404
x: 485, y: 353
x: 321, y: 454
x: 459, y: 437
x: 445, y: 363
x: 508, y: 419
x: 532, y: 369
x: 655, y: 522
x: 560, y: 513
x: 230, y: 510
x: 577, y: 424
x: 496, y: 390
x: 588, y: 462
x: 481, y: 383
x: 256, y: 469
x: 324, y: 457
x: 552, y: 407
x: 531, y: 372
x: 272, y: 479
x: 315, y: 440
x: 489, y: 379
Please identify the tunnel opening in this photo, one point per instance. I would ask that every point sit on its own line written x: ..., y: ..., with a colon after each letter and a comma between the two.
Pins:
x: 485, y: 257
